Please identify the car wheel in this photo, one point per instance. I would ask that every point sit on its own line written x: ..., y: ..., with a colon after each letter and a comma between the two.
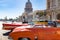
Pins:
x: 23, y: 39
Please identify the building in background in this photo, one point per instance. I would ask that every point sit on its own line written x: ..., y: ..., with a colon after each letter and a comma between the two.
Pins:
x: 28, y: 7
x: 53, y: 9
x: 29, y: 14
x: 27, y: 10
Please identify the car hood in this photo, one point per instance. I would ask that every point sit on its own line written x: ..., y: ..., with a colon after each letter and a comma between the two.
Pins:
x: 22, y: 28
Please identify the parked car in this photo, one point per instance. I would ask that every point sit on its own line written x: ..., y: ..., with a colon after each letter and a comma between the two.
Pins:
x: 37, y: 32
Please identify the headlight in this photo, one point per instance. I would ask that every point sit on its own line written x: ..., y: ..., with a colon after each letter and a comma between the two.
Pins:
x: 36, y: 38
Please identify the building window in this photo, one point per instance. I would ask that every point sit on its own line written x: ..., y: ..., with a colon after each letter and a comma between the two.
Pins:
x: 53, y: 4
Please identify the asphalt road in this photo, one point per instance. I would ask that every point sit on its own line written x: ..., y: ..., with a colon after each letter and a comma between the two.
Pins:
x: 1, y: 35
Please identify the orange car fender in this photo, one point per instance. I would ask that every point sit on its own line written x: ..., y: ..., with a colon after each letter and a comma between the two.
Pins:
x: 22, y: 34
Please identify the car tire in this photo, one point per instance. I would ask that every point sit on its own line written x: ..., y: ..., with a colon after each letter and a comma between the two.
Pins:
x: 23, y: 39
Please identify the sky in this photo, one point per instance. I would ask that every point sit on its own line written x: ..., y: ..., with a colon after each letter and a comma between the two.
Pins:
x: 15, y: 8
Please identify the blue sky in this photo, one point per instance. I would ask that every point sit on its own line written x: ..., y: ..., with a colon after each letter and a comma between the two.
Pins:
x: 14, y: 8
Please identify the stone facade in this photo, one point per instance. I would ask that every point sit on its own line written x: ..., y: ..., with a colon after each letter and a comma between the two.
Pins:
x: 28, y: 7
x: 27, y: 11
x: 53, y: 9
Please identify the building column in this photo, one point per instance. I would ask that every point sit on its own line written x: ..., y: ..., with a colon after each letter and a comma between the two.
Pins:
x: 53, y: 16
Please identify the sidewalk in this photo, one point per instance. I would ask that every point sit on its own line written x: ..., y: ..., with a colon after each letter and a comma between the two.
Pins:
x: 1, y: 35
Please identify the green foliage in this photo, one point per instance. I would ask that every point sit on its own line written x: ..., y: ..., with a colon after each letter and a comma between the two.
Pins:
x: 40, y: 14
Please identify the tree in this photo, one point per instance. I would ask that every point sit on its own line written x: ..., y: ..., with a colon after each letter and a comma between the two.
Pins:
x: 10, y: 19
x: 40, y: 13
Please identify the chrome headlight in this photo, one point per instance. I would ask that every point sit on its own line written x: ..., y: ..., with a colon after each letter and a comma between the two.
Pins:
x: 36, y: 38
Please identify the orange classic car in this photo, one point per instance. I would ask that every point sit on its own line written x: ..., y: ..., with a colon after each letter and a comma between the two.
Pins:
x: 35, y: 32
